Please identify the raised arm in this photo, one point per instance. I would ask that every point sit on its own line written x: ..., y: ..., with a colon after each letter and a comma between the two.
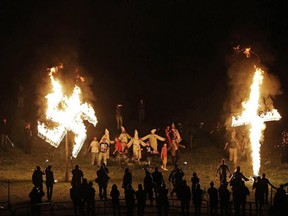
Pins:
x: 160, y: 138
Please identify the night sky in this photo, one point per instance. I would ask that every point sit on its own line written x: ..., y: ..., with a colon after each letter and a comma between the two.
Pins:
x: 176, y: 55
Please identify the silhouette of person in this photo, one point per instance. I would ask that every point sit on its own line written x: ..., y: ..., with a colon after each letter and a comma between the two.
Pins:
x: 197, y: 199
x: 148, y: 186
x: 76, y: 198
x: 237, y: 177
x: 102, y: 181
x: 127, y: 178
x: 141, y: 200
x: 37, y: 177
x: 28, y: 137
x: 49, y: 182
x: 36, y: 195
x: 194, y: 180
x: 130, y: 200
x: 91, y: 199
x: 265, y: 183
x: 240, y: 193
x: 222, y: 170
x: 77, y: 177
x: 115, y: 194
x: 178, y: 181
x: 162, y: 201
x: 185, y: 197
x: 158, y: 180
x: 280, y: 201
x: 259, y: 194
x: 213, y: 199
x: 224, y: 198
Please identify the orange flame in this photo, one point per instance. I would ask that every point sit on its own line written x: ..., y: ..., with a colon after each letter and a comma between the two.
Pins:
x: 68, y: 113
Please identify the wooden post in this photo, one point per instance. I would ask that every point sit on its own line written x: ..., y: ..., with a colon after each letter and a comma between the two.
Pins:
x: 66, y: 159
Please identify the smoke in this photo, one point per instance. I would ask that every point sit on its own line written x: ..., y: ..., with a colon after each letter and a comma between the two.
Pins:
x: 240, y: 76
x: 70, y: 75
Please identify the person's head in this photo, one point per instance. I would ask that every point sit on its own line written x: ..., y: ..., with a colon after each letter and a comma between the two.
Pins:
x: 194, y: 174
x: 156, y: 168
x: 223, y: 161
x: 28, y: 126
x: 49, y: 167
x: 95, y: 138
x: 263, y: 175
x: 198, y: 186
x: 165, y: 145
x: 127, y: 170
x: 140, y: 187
x: 38, y: 168
x: 90, y: 184
x: 184, y: 182
x: 114, y: 187
x: 76, y: 167
x: 212, y: 184
x: 238, y: 169
x: 168, y: 127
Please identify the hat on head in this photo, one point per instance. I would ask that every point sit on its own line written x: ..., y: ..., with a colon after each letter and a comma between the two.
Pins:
x: 123, y: 129
x: 136, y: 134
x: 153, y: 131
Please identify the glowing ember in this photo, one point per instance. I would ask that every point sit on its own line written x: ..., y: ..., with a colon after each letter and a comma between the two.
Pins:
x: 250, y: 116
x: 67, y: 113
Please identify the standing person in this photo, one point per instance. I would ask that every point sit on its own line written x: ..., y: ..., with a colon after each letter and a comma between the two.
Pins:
x: 265, y: 183
x: 158, y: 180
x: 91, y: 199
x: 237, y: 177
x: 141, y: 200
x: 136, y: 142
x: 124, y: 138
x: 141, y: 111
x: 127, y: 178
x: 240, y: 194
x: 94, y: 149
x: 148, y: 186
x: 175, y: 152
x: 168, y: 135
x: 104, y: 152
x: 102, y: 181
x: 115, y: 194
x: 147, y: 154
x: 185, y: 197
x: 213, y: 199
x: 118, y: 113
x: 164, y: 156
x: 176, y: 133
x: 153, y: 140
x: 222, y: 170
x: 130, y: 200
x: 194, y: 180
x: 259, y: 194
x: 28, y: 138
x: 162, y: 201
x: 49, y: 182
x: 35, y: 199
x: 4, y: 134
x: 77, y: 177
x: 197, y: 199
x: 232, y: 145
x: 224, y: 198
x: 37, y: 177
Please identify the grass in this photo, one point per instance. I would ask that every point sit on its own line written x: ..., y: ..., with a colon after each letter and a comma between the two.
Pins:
x: 202, y: 159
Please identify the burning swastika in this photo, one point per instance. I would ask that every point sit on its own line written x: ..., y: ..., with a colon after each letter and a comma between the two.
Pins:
x: 65, y: 114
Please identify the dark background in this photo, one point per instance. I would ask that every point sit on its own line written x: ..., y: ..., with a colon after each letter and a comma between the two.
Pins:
x: 173, y: 54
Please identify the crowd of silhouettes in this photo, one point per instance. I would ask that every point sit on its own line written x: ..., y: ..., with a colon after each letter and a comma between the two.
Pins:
x: 154, y: 190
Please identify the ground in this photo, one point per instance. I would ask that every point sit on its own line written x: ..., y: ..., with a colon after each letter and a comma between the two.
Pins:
x: 202, y: 158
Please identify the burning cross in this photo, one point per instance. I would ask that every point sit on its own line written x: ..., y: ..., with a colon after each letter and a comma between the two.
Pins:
x: 65, y: 114
x: 250, y: 116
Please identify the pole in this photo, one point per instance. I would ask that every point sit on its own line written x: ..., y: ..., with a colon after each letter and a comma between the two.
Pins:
x: 66, y: 159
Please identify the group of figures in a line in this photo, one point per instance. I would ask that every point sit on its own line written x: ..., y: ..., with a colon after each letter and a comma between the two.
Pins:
x: 154, y: 189
x: 100, y: 150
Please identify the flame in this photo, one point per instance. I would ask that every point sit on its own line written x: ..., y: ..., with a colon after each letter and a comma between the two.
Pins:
x: 67, y: 113
x: 250, y: 116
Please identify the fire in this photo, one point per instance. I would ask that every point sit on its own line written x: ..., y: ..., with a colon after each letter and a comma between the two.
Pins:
x: 67, y: 113
x: 251, y: 116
